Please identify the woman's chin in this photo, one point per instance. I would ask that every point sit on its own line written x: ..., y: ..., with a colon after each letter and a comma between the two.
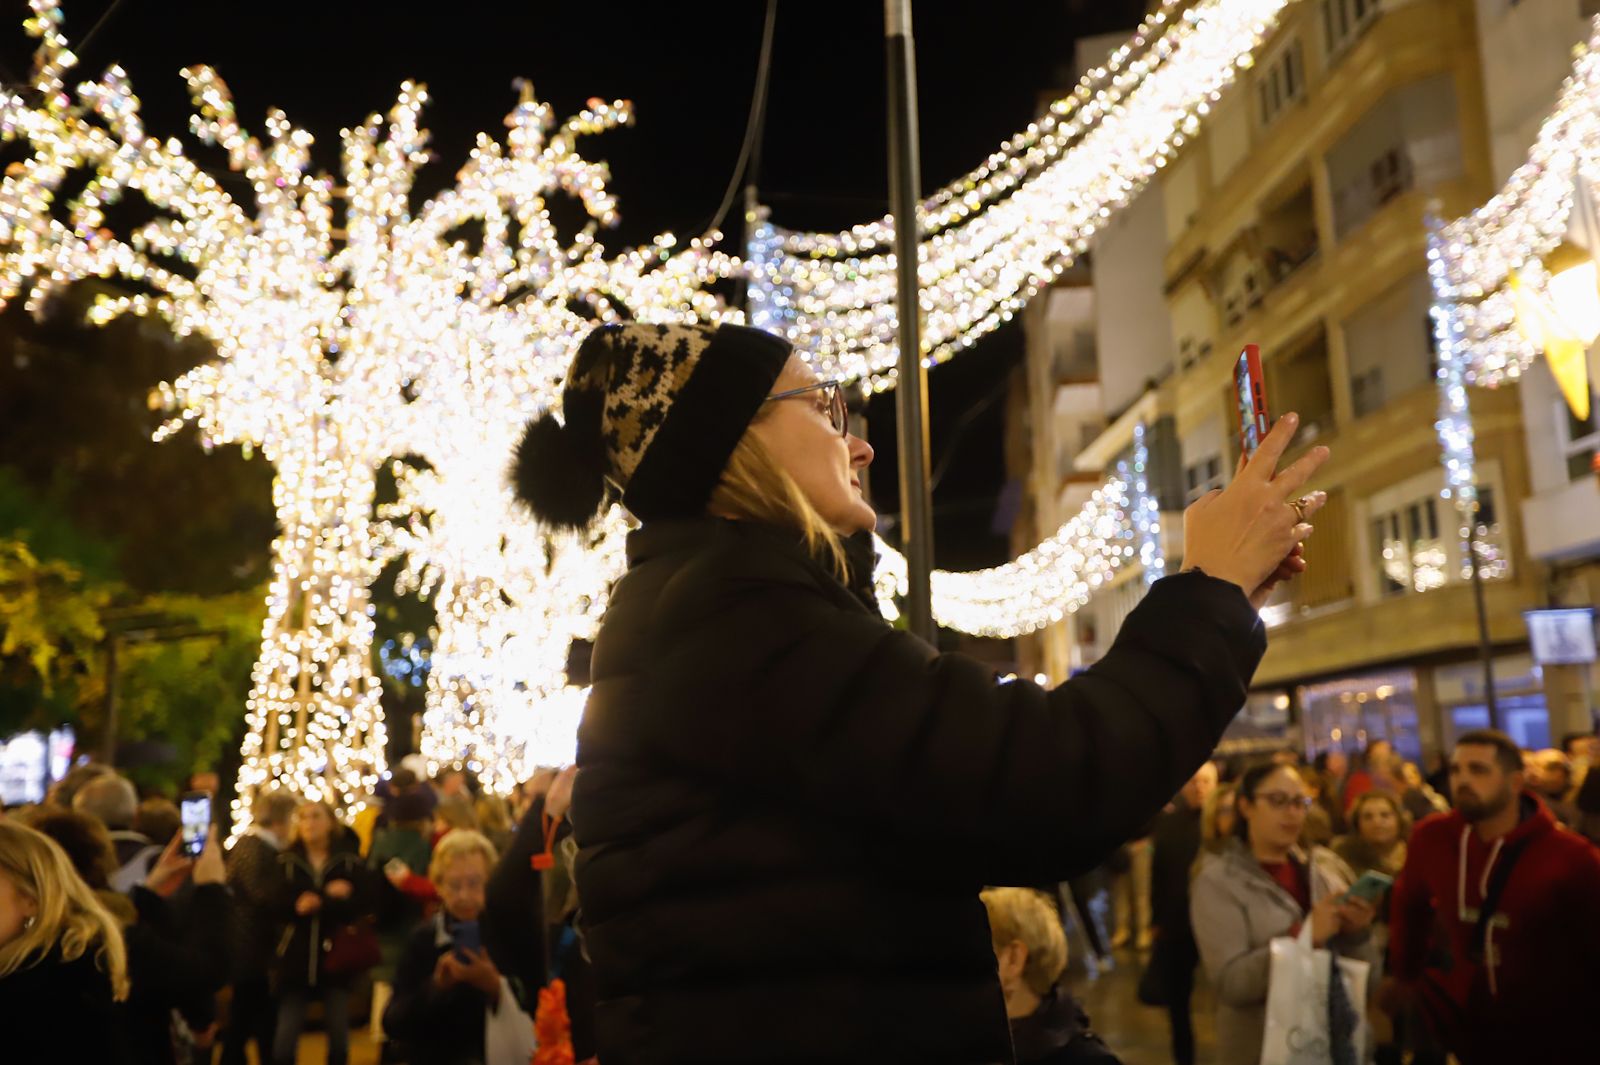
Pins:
x: 858, y: 518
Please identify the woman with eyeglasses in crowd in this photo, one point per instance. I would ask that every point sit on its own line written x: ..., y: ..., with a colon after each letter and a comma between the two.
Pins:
x: 1261, y: 885
x: 786, y: 808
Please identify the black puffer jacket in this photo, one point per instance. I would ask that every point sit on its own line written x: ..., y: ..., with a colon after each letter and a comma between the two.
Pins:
x: 60, y: 1011
x: 787, y: 808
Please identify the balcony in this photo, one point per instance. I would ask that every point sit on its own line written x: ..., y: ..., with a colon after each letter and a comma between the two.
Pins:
x: 1299, y: 380
x: 1411, y: 138
x: 1565, y: 522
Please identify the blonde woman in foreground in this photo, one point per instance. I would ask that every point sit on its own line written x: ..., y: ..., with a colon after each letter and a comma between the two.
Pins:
x: 62, y: 961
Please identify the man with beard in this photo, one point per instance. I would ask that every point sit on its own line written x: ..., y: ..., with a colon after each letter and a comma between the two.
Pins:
x: 1513, y: 899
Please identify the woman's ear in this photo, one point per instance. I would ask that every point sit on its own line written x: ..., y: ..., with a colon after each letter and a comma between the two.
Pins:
x: 1013, y: 959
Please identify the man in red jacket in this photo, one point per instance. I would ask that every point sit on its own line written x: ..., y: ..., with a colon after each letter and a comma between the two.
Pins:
x: 1507, y: 989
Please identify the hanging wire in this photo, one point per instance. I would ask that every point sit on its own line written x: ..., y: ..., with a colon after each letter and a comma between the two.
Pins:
x: 82, y: 47
x: 750, y: 150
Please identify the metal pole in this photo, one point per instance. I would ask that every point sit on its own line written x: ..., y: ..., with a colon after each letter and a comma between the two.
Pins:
x: 911, y: 394
x: 1484, y: 651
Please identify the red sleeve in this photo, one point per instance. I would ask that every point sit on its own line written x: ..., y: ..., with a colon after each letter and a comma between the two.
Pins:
x: 420, y: 887
x: 1411, y: 912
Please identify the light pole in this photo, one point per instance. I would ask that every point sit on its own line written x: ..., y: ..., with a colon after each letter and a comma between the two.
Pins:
x: 911, y: 392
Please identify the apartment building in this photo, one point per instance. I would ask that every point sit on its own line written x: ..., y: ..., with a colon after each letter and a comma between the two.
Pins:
x: 1296, y: 220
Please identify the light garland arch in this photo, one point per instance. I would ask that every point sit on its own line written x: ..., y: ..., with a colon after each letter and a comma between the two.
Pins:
x: 341, y: 348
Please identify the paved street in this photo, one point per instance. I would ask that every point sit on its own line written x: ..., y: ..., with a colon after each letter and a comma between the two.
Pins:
x: 1137, y: 1033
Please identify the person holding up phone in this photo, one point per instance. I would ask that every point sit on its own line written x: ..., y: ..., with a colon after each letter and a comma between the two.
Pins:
x: 829, y: 768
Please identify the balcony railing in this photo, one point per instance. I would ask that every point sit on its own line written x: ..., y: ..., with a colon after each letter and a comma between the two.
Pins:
x: 1388, y: 176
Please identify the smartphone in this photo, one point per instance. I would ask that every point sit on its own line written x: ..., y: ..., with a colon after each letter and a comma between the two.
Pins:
x: 195, y: 811
x: 1370, y: 887
x: 1250, y: 396
x: 468, y: 936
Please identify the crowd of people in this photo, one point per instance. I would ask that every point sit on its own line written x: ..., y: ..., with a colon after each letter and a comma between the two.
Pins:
x: 441, y: 911
x: 425, y: 909
x: 788, y: 809
x: 1478, y: 943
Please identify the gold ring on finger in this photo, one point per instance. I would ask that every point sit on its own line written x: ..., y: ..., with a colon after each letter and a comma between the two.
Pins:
x: 1300, y: 506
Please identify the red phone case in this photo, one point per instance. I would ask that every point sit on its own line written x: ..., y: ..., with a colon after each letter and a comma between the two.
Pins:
x: 1248, y: 381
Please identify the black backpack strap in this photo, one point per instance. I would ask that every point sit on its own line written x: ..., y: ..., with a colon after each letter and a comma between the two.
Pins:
x: 1491, y: 898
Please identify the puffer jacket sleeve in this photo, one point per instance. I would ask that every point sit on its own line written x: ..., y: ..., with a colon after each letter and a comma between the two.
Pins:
x: 1239, y: 971
x: 775, y: 688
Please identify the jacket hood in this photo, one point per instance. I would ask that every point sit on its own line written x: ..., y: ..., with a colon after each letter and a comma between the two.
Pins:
x: 1536, y: 819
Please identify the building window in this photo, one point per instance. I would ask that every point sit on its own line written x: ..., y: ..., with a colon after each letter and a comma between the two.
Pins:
x: 1344, y: 20
x: 1411, y: 139
x: 1202, y: 477
x: 1579, y: 439
x: 1416, y: 543
x: 1349, y: 713
x: 1281, y: 82
x: 1411, y: 556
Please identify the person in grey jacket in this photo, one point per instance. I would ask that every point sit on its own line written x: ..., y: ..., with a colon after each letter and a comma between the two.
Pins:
x: 1261, y: 886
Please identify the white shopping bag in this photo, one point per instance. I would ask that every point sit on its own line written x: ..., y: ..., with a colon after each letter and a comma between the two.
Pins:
x: 507, y: 1031
x: 1297, y: 1002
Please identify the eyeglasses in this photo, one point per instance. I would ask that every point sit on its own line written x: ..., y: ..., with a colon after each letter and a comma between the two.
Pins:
x: 837, y: 409
x: 1280, y: 800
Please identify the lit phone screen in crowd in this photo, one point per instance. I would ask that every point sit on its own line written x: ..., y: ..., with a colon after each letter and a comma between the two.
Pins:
x: 195, y: 811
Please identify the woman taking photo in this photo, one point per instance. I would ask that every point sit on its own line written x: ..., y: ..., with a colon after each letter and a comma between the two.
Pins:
x: 786, y: 808
x: 322, y: 892
x: 62, y: 960
x: 1261, y: 885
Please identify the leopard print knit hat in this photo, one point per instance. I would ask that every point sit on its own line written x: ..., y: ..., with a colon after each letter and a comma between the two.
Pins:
x: 650, y: 414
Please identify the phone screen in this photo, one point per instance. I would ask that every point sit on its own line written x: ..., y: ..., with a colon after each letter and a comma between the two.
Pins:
x: 1250, y: 395
x: 1371, y: 886
x: 195, y: 811
x: 467, y: 936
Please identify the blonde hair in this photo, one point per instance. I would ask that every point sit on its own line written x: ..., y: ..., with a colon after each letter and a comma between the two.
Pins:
x: 70, y: 916
x: 461, y: 843
x: 494, y: 814
x: 756, y: 488
x: 1022, y: 915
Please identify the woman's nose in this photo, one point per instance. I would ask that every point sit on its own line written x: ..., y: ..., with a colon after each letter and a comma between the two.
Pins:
x: 860, y: 453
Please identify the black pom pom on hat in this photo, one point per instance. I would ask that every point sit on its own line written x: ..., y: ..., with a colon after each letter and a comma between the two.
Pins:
x: 559, y: 471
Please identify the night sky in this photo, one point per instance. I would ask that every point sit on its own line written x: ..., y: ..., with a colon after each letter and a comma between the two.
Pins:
x: 689, y: 69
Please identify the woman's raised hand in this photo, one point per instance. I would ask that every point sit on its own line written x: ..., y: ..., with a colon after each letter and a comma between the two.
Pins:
x: 1250, y: 532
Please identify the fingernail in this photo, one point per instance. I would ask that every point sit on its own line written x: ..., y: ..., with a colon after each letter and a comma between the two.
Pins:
x: 1292, y: 418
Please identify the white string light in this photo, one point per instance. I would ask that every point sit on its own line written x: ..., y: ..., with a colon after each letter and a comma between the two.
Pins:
x: 1476, y: 256
x: 986, y: 253
x: 1473, y: 260
x: 1036, y: 590
x: 337, y: 350
x: 398, y: 336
